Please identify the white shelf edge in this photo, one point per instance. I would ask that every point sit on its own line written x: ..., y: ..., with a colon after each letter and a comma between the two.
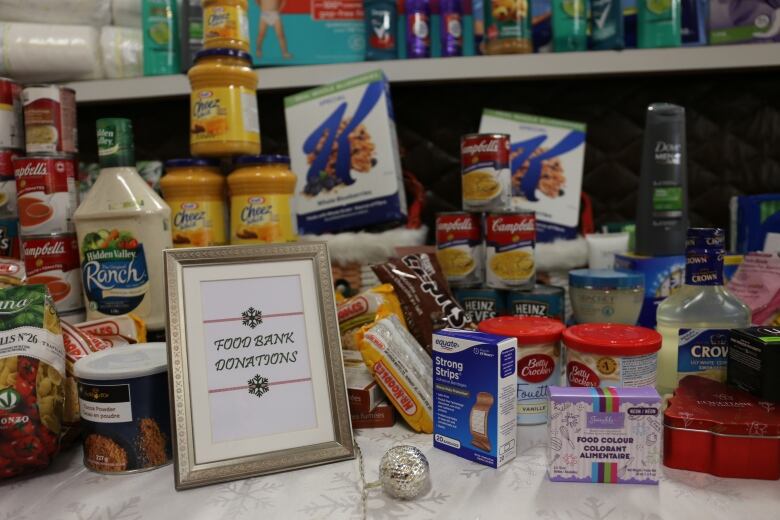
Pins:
x: 527, y: 66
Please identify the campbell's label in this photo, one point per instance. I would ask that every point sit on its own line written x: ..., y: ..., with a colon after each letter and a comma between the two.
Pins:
x: 510, y: 239
x: 486, y: 180
x: 46, y: 194
x: 50, y: 119
x: 11, y: 116
x: 459, y: 248
x: 54, y: 262
x: 6, y: 163
x: 7, y: 182
x: 510, y: 229
x: 484, y: 149
x: 458, y: 228
x: 578, y: 374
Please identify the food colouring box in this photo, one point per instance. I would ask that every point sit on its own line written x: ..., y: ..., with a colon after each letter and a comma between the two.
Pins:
x: 306, y: 32
x: 610, y: 435
x: 546, y: 164
x: 344, y: 150
x: 663, y: 276
x: 474, y: 396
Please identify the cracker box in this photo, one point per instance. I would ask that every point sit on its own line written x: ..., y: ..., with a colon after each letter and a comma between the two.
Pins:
x: 546, y: 161
x: 474, y: 396
x: 609, y: 435
x: 344, y: 150
x: 306, y: 32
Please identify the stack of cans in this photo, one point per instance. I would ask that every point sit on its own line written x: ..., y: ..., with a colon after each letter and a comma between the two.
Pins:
x: 11, y: 147
x: 487, y: 251
x: 45, y: 196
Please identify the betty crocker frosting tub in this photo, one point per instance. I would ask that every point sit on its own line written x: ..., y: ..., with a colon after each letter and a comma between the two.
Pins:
x: 608, y: 354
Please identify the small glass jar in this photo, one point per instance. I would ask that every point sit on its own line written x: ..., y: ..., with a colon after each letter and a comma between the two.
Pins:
x: 226, y: 24
x: 195, y: 191
x: 261, y: 192
x: 606, y: 296
x: 223, y: 104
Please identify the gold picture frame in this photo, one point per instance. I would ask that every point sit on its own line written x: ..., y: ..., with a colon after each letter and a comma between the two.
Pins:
x: 204, y: 287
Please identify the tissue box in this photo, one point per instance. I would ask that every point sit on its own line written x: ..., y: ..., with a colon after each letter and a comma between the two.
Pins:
x: 663, y: 276
x: 546, y: 161
x: 738, y: 21
x: 474, y: 396
x: 609, y: 435
x: 344, y: 150
x: 313, y: 31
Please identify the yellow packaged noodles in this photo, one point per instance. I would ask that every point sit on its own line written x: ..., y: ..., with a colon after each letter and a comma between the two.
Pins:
x: 364, y: 309
x: 402, y: 369
x: 32, y: 372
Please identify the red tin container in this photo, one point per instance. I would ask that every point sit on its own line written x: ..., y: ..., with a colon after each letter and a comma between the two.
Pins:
x: 713, y: 428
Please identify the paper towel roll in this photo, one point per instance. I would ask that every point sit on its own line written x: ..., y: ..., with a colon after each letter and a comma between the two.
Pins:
x: 38, y: 52
x: 76, y: 12
x: 122, y: 52
x: 126, y: 13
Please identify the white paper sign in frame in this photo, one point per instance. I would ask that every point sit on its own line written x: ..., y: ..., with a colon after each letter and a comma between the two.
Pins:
x: 255, y: 370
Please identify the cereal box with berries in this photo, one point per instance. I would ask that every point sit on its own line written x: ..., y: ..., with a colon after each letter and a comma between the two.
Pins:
x: 344, y: 150
x: 546, y: 162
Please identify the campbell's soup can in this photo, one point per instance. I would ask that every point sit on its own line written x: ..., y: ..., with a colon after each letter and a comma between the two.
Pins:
x: 53, y: 260
x: 11, y: 118
x: 459, y: 248
x: 46, y: 194
x: 510, y: 239
x: 486, y: 180
x: 9, y: 238
x: 7, y: 183
x: 50, y: 119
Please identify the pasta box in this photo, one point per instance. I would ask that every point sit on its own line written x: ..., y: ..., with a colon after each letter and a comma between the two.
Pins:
x: 714, y: 428
x: 344, y: 150
x: 546, y: 163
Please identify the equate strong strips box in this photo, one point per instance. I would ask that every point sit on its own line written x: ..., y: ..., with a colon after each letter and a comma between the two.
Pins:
x: 344, y: 150
x: 546, y: 161
x: 474, y: 396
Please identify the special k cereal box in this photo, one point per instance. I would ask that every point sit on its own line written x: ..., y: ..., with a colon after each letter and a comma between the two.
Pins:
x: 344, y: 150
x: 545, y: 160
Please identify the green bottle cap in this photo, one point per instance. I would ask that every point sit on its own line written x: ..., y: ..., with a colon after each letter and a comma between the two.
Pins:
x: 115, y: 142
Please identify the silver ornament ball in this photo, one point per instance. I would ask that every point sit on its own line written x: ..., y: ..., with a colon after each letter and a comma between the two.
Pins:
x: 404, y: 472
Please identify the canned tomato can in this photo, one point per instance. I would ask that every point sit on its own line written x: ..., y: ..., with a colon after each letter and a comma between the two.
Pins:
x: 459, y: 248
x: 486, y: 179
x: 480, y: 303
x: 50, y: 119
x: 7, y: 183
x: 123, y: 402
x: 53, y: 260
x: 543, y: 300
x: 11, y: 118
x: 9, y: 238
x: 510, y: 239
x: 46, y: 194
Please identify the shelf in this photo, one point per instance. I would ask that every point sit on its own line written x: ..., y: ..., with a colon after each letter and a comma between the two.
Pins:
x: 528, y: 66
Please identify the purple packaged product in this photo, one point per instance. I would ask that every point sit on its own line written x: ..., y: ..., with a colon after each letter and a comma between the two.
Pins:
x: 451, y: 15
x: 418, y: 30
x: 609, y: 435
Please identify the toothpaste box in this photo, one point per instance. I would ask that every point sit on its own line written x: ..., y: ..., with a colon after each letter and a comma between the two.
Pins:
x: 744, y: 21
x: 344, y: 150
x: 474, y: 396
x: 546, y: 161
x: 305, y: 32
x: 609, y: 435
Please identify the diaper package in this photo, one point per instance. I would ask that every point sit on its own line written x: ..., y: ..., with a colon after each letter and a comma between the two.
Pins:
x: 546, y: 163
x: 344, y: 150
x: 474, y: 396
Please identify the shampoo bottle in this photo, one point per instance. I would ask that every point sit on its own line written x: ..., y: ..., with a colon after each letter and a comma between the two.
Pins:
x: 569, y: 25
x: 161, y: 37
x: 662, y: 209
x: 659, y: 23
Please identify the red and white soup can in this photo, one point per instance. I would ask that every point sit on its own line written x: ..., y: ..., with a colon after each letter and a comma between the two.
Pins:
x: 46, y: 194
x: 510, y: 240
x: 11, y: 120
x: 50, y: 119
x: 459, y: 248
x: 53, y: 260
x: 8, y: 183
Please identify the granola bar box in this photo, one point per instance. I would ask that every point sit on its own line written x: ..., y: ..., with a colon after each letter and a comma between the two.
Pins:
x: 344, y: 150
x: 123, y: 400
x: 546, y: 162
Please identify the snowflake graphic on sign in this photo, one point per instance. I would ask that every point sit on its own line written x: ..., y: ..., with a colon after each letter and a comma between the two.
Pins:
x: 258, y: 385
x: 251, y: 317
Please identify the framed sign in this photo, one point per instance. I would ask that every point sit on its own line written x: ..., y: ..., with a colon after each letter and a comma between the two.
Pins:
x: 255, y: 369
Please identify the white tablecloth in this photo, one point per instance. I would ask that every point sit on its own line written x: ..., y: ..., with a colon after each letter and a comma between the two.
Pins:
x: 460, y: 490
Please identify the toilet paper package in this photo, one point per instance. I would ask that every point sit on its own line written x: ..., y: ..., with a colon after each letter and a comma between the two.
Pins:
x: 122, y: 52
x: 126, y: 13
x: 77, y: 12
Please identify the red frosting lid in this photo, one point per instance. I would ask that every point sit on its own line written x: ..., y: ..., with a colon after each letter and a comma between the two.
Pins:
x: 612, y: 339
x: 703, y: 404
x: 529, y: 330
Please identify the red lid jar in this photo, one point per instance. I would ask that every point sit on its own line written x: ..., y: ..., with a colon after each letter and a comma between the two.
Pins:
x: 529, y: 330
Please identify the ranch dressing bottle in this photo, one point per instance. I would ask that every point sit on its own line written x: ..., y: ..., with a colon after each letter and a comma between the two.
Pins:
x: 122, y: 227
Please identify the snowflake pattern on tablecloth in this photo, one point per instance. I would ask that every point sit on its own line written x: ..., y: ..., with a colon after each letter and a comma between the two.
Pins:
x: 251, y: 317
x: 258, y: 385
x: 15, y: 514
x: 529, y: 462
x: 245, y: 496
x: 702, y: 486
x: 126, y: 510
